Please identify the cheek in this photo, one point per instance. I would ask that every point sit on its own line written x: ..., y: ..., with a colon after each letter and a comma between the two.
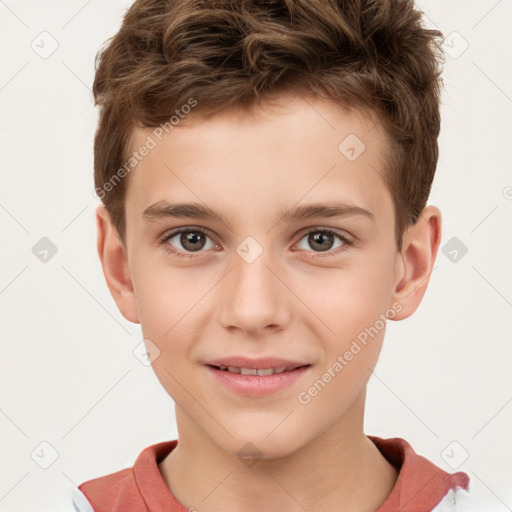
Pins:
x: 171, y: 307
x: 354, y: 313
x: 352, y: 305
x: 166, y: 298
x: 348, y: 300
x: 349, y: 357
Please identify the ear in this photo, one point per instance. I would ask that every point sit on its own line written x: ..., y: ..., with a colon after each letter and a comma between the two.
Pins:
x: 416, y: 260
x: 115, y: 265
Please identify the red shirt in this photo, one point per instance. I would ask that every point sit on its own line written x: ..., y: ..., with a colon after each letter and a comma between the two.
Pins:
x: 420, y: 486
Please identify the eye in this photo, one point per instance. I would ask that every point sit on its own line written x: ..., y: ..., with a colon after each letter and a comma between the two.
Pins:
x: 188, y: 240
x: 324, y: 240
x: 185, y: 242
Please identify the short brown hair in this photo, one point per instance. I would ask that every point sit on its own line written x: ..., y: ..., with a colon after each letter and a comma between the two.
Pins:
x: 372, y: 54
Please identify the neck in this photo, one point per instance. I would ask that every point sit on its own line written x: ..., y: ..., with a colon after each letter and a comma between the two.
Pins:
x: 340, y: 470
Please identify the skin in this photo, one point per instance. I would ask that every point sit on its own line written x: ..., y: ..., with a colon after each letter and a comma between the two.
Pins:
x: 287, y: 303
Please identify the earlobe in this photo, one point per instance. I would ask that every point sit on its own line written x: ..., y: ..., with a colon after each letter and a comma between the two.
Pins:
x: 115, y: 265
x: 416, y: 261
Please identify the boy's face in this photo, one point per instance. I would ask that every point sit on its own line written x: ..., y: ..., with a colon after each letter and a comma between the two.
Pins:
x: 259, y: 285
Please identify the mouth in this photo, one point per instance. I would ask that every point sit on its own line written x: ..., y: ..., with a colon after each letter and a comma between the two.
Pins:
x: 263, y: 372
x: 257, y: 377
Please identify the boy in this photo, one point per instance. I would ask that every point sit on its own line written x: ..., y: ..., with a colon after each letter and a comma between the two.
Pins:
x: 293, y: 143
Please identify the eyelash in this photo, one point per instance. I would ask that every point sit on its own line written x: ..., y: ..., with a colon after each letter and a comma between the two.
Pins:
x: 182, y: 254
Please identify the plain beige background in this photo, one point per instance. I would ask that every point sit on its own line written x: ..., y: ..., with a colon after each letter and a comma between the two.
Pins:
x: 68, y: 374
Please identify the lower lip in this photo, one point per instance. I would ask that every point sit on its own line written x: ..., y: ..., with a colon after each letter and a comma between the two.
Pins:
x: 258, y: 385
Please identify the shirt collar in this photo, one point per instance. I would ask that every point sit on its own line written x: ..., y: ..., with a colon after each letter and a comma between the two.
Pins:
x: 420, y: 485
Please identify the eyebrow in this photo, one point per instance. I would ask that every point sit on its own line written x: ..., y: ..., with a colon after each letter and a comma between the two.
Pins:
x: 166, y: 209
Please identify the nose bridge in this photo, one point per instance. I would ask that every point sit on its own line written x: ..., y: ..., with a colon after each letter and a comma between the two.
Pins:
x: 256, y: 297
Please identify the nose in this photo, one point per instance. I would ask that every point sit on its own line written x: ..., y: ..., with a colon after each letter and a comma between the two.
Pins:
x: 254, y: 297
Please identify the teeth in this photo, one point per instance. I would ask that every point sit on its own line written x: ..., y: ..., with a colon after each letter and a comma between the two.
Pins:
x: 265, y: 371
x: 253, y: 371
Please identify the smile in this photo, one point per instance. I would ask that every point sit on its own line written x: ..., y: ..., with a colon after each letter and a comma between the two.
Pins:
x: 254, y: 371
x: 257, y: 382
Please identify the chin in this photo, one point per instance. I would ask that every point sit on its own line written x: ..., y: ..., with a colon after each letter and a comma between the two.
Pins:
x: 260, y: 441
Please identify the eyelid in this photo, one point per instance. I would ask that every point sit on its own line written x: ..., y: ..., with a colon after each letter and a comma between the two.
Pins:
x: 337, y: 231
x: 184, y: 229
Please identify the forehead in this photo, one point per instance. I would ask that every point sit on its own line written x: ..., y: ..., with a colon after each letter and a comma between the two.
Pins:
x: 294, y: 149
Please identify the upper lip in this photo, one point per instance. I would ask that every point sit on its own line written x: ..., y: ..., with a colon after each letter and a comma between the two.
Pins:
x: 264, y: 362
